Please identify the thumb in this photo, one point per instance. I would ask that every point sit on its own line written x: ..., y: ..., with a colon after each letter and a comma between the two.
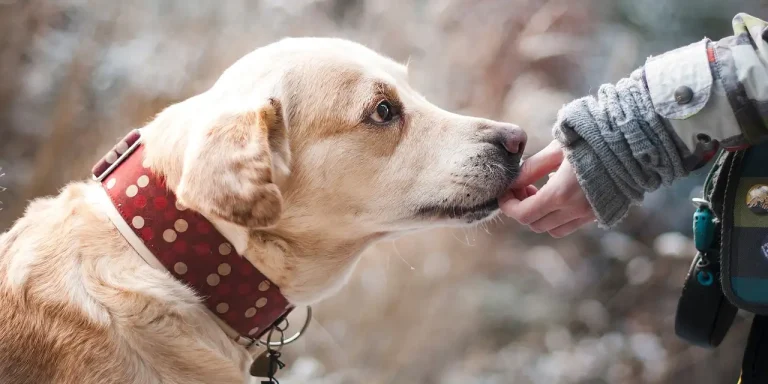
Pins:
x: 540, y: 164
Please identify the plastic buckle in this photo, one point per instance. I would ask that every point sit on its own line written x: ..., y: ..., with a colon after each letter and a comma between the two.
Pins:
x: 703, y: 225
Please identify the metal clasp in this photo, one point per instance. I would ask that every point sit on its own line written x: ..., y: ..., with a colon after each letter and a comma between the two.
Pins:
x: 296, y: 336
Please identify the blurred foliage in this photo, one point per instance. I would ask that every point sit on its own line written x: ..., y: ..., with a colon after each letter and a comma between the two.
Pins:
x: 494, y: 304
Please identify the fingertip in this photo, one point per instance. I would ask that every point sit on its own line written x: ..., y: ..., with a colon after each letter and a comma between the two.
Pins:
x: 570, y: 227
x: 520, y: 193
x: 557, y: 235
x: 540, y: 164
x: 509, y: 195
x: 508, y: 206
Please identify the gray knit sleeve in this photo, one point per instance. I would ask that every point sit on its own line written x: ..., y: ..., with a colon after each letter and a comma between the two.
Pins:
x: 618, y: 146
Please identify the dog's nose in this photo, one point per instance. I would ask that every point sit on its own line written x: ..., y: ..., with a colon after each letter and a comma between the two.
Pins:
x: 512, y: 138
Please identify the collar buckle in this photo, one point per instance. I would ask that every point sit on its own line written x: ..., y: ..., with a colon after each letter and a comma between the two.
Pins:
x: 121, y: 151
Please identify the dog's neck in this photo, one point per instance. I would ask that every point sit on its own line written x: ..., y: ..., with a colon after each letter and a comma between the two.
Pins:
x: 307, y: 262
x: 308, y: 270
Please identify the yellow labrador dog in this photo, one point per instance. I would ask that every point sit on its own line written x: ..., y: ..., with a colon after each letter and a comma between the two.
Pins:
x: 304, y: 152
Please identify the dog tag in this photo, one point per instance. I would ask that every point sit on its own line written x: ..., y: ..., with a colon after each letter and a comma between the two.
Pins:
x: 266, y: 365
x: 262, y: 366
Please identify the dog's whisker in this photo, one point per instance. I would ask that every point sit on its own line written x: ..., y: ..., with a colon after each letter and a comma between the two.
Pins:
x: 397, y: 252
x: 466, y: 239
x: 485, y: 228
x: 394, y: 246
x: 471, y: 242
x: 406, y: 263
x: 503, y: 168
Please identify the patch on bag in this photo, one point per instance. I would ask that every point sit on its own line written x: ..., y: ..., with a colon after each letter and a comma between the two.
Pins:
x: 757, y: 199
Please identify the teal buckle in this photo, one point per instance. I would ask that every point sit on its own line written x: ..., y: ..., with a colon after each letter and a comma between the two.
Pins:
x: 703, y: 225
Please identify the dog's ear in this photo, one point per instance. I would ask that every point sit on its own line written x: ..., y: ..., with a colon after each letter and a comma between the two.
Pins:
x: 230, y: 167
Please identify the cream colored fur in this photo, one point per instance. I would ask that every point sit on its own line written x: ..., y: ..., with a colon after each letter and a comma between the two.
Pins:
x: 280, y: 153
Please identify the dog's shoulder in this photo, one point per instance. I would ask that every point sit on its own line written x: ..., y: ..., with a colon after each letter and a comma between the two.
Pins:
x: 80, y: 306
x: 43, y: 337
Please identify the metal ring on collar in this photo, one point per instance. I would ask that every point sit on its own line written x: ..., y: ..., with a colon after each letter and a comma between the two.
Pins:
x: 293, y: 338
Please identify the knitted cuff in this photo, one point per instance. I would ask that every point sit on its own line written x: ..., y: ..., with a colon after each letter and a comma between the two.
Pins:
x: 618, y: 147
x: 607, y: 200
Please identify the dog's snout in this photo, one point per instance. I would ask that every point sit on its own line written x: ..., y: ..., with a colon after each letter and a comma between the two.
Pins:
x: 512, y: 138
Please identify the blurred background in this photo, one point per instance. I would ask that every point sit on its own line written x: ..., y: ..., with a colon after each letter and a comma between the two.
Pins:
x: 493, y: 304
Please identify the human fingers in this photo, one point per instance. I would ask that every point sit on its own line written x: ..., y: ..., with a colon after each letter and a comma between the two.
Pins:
x: 539, y: 165
x: 556, y: 219
x: 571, y: 227
x: 528, y: 210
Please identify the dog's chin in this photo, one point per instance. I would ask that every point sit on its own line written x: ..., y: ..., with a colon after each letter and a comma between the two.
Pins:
x: 468, y: 214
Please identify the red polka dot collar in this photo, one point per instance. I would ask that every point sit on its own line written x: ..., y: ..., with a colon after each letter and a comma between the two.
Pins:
x: 186, y: 244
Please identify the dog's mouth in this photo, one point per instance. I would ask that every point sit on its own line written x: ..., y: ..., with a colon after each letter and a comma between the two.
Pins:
x: 486, y: 184
x: 466, y: 213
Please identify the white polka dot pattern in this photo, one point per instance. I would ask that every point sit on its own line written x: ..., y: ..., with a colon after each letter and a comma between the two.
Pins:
x: 181, y: 225
x: 180, y: 268
x: 250, y: 312
x: 224, y: 269
x: 225, y: 249
x: 111, y: 183
x: 169, y: 235
x: 264, y: 286
x: 222, y: 308
x: 253, y: 331
x: 131, y: 191
x: 137, y: 222
x: 111, y: 157
x: 143, y: 181
x: 213, y: 279
x: 260, y: 303
x: 121, y: 147
x: 180, y: 207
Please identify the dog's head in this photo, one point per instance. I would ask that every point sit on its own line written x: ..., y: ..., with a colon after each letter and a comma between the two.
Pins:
x: 323, y: 141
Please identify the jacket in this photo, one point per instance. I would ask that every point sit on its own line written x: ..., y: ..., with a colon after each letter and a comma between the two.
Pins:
x: 668, y: 118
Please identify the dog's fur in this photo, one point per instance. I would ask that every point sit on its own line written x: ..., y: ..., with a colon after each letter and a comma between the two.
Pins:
x: 282, y: 156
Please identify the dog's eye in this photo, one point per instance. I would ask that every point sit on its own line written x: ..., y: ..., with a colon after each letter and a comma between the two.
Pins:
x: 384, y: 112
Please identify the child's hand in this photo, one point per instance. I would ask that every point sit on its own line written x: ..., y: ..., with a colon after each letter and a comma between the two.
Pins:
x: 559, y: 207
